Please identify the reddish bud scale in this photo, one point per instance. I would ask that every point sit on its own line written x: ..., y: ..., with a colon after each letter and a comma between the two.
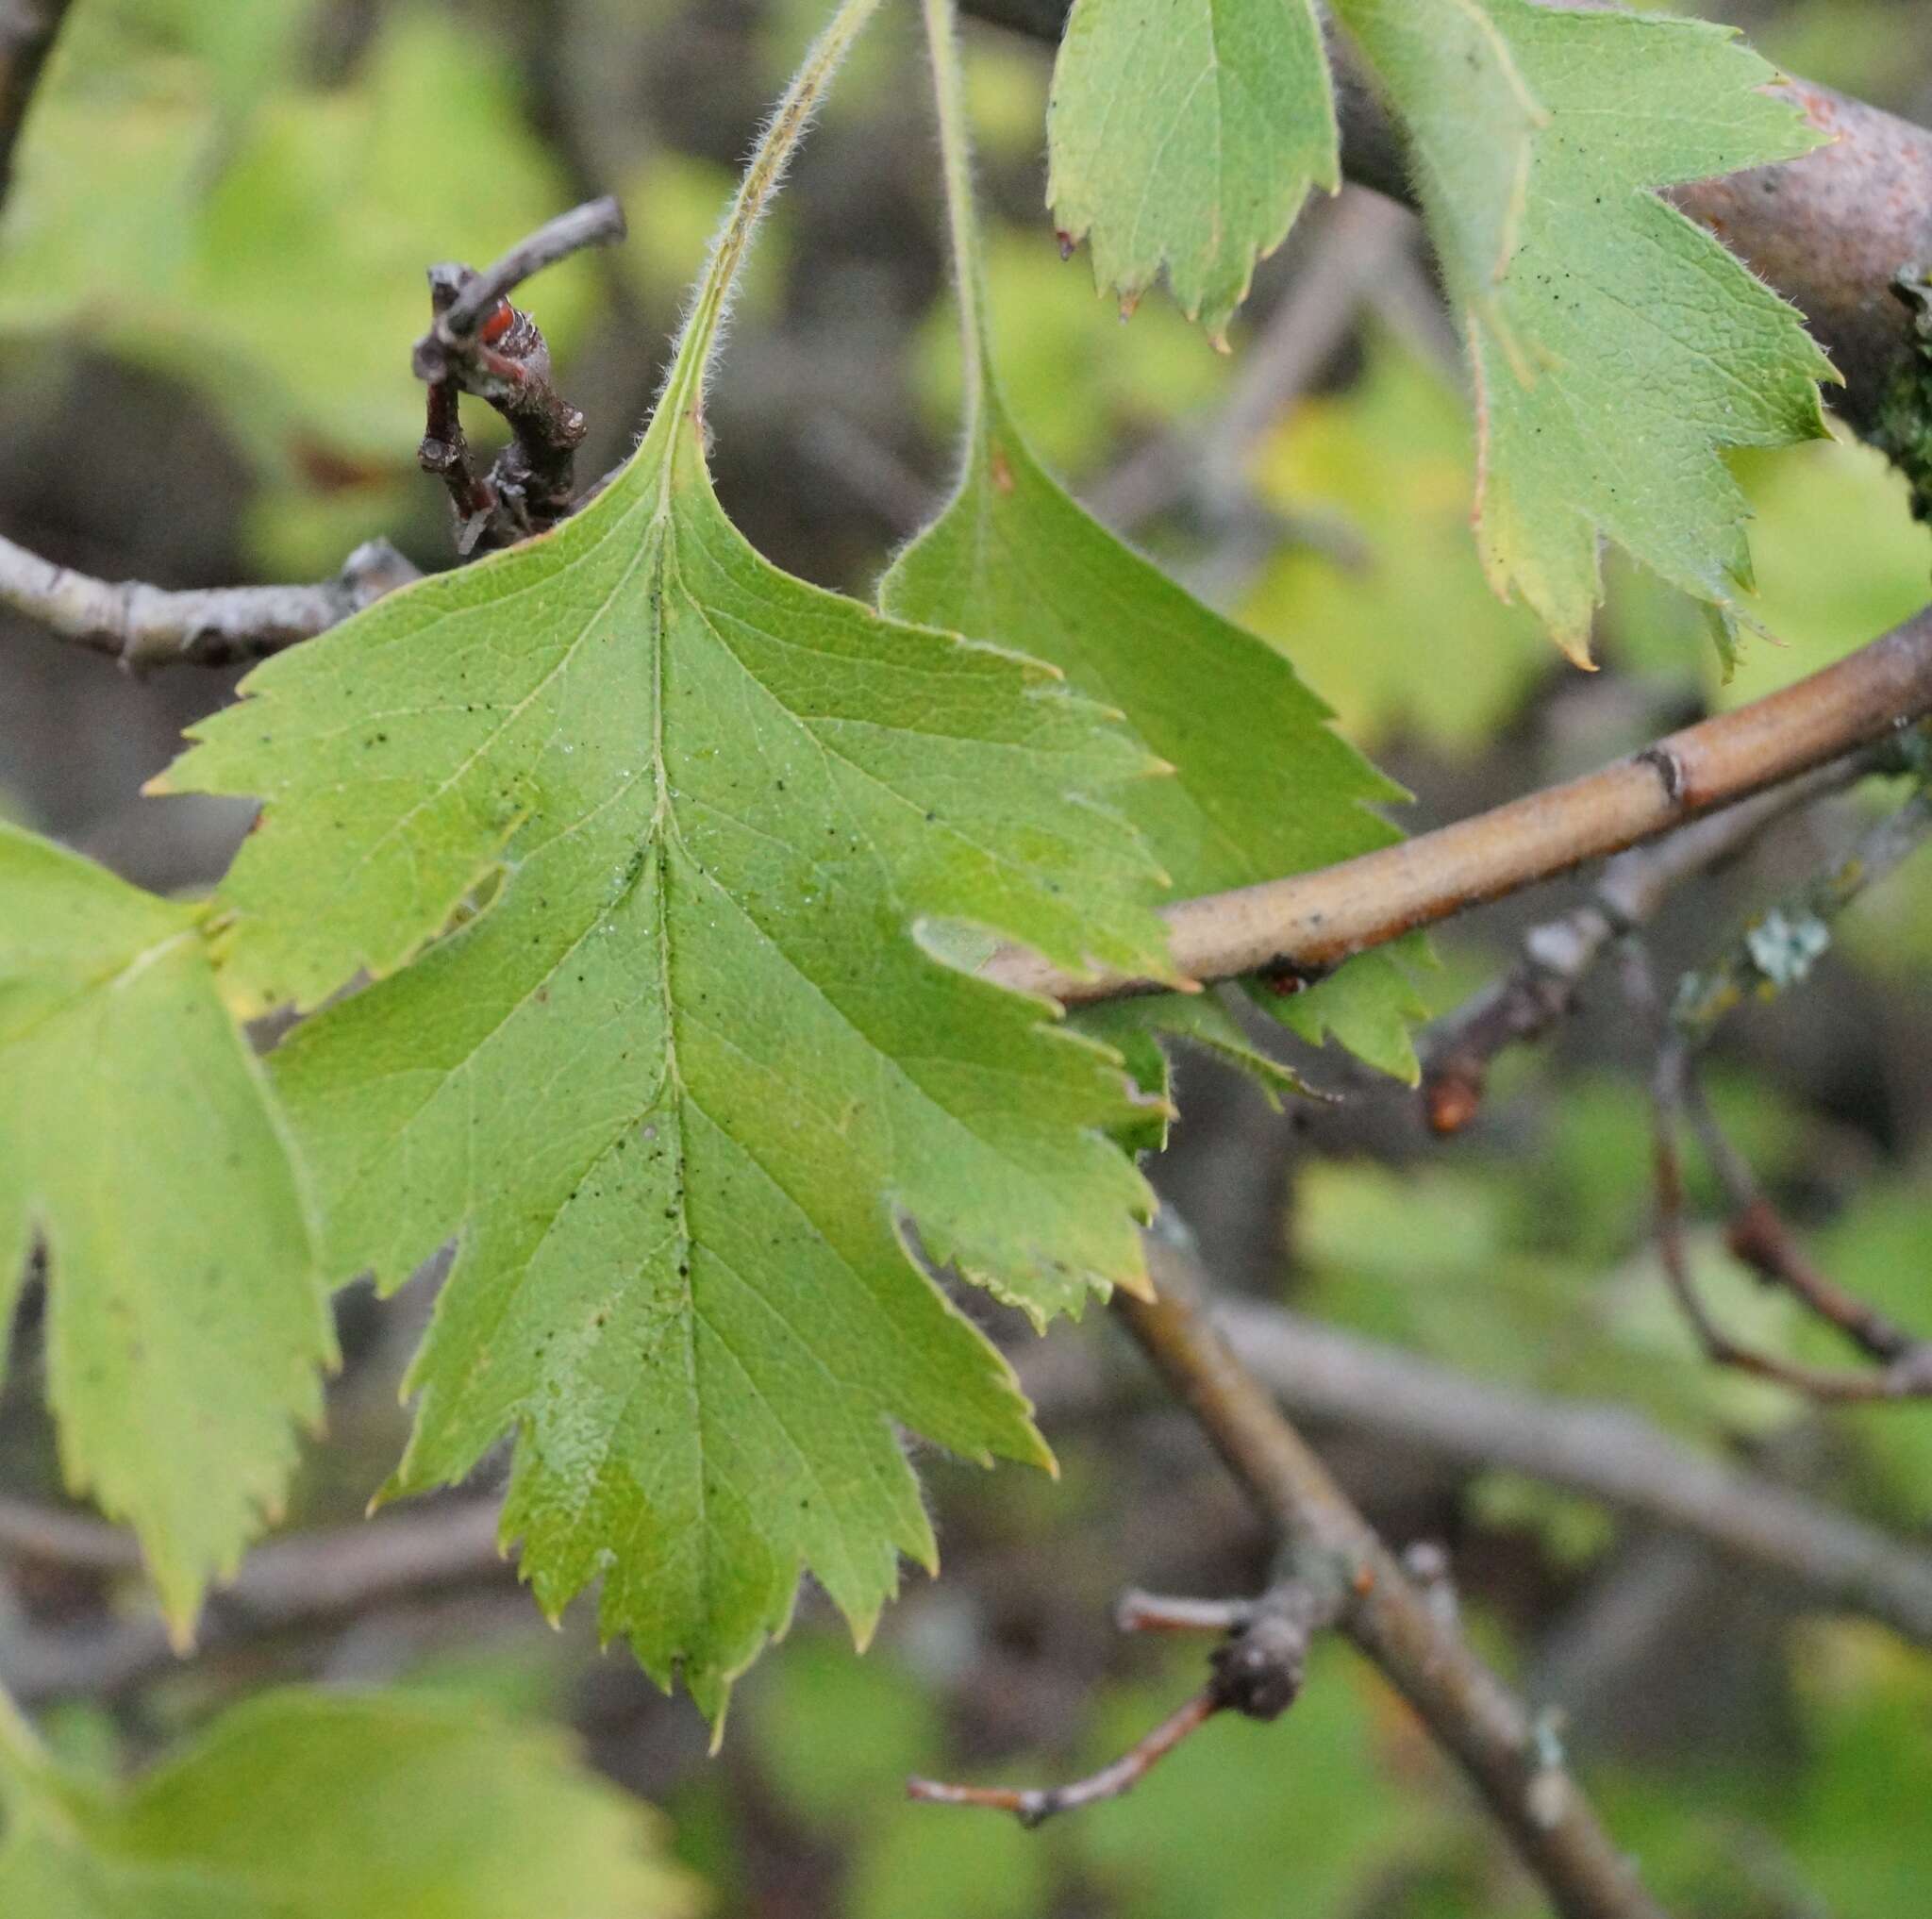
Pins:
x: 1451, y: 1102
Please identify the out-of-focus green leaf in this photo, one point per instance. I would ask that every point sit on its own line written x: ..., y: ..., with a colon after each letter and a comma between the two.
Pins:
x: 1878, y: 1251
x: 1005, y: 95
x: 1379, y: 595
x: 1861, y: 1836
x: 335, y: 1805
x: 1570, y: 1530
x: 186, y: 1318
x: 1868, y: 47
x: 838, y: 1736
x: 915, y: 1860
x: 671, y: 206
x: 305, y: 285
x: 1588, y: 1189
x: 1444, y: 1261
x: 1184, y: 137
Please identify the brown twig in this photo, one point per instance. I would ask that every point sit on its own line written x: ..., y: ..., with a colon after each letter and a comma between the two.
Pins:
x: 1674, y: 1092
x: 1758, y: 1236
x: 144, y: 627
x: 1778, y: 950
x: 479, y: 343
x: 1905, y: 1375
x: 596, y: 223
x: 1313, y: 921
x: 1257, y: 1671
x: 1559, y: 954
x: 1035, y: 1805
x: 28, y: 31
x: 1517, y: 1769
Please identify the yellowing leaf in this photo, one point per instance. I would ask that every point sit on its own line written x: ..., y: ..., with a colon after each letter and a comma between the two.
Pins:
x: 185, y: 1319
x: 1185, y: 135
x: 339, y: 1806
x: 695, y: 1072
x: 1617, y: 347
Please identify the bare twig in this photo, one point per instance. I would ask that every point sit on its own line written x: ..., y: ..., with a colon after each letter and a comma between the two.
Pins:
x: 293, y: 1584
x: 1905, y: 1375
x: 1035, y: 1805
x: 66, y: 1539
x: 28, y: 31
x: 1780, y: 948
x: 1758, y: 1236
x: 1257, y: 1671
x: 596, y: 223
x: 1153, y: 1612
x: 1314, y: 921
x: 1516, y: 1768
x: 479, y: 344
x: 144, y: 627
x: 1558, y: 954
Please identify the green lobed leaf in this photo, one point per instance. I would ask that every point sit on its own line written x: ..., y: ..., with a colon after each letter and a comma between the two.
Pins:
x: 186, y: 1319
x: 689, y: 1078
x: 338, y: 1806
x: 1184, y: 136
x: 1615, y: 347
x: 1261, y: 783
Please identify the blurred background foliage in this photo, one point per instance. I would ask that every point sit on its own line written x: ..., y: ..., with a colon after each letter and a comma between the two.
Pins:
x: 211, y: 274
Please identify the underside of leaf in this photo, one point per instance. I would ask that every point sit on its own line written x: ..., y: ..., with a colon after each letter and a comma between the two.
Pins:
x: 311, y: 1804
x: 1617, y: 348
x: 1184, y: 137
x: 685, y: 1082
x: 690, y: 1078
